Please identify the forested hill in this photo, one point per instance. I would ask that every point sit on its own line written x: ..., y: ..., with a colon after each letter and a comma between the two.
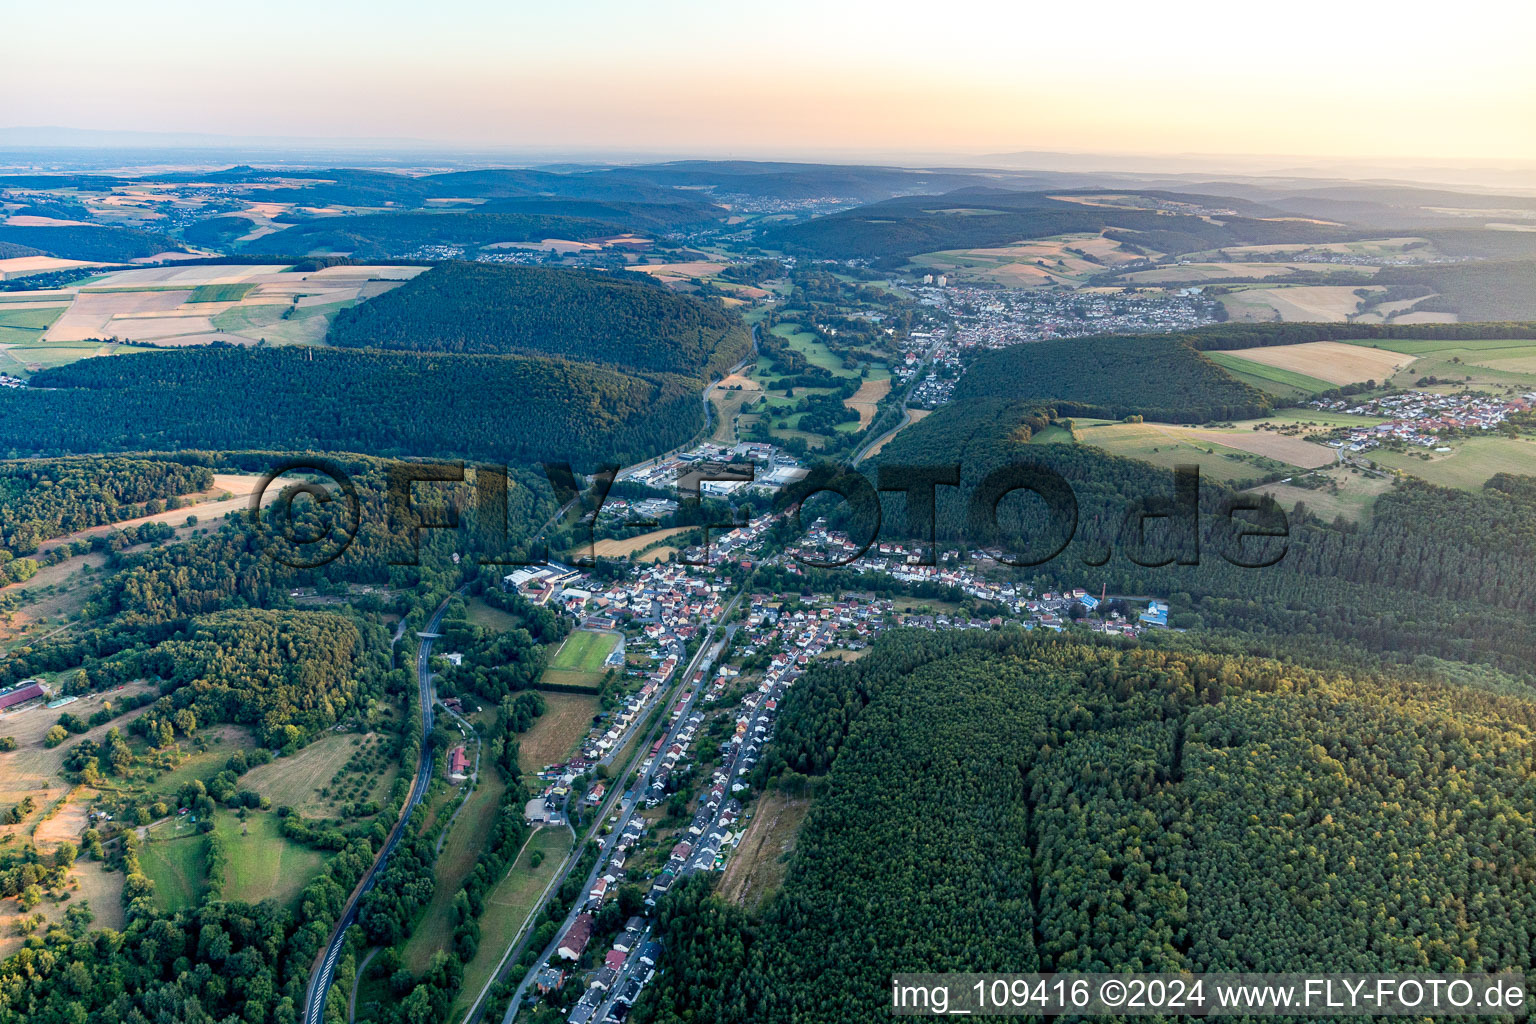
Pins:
x: 42, y: 500
x: 1012, y: 802
x: 1434, y: 573
x: 480, y: 308
x: 1154, y: 376
x: 500, y: 408
x: 987, y: 217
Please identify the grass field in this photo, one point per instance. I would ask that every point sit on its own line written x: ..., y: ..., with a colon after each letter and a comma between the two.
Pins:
x: 30, y: 319
x: 1356, y: 494
x: 1330, y: 361
x: 1051, y: 435
x: 1275, y: 379
x: 262, y: 863
x: 220, y: 292
x: 757, y: 868
x: 482, y: 614
x: 179, y: 869
x: 566, y: 719
x: 1169, y: 447
x: 296, y: 780
x: 816, y: 353
x: 1491, y: 364
x: 305, y: 325
x: 465, y: 842
x: 507, y: 909
x: 1469, y: 466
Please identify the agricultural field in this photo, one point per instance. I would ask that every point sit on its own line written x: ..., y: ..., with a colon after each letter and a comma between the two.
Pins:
x: 730, y: 397
x: 866, y: 401
x: 1491, y: 364
x: 1332, y: 362
x: 508, y: 907
x: 1274, y: 380
x: 1468, y: 466
x: 184, y: 305
x: 1364, y: 249
x: 1344, y: 492
x: 1170, y: 447
x: 263, y: 864
x: 914, y: 416
x: 1311, y: 303
x: 1067, y: 260
x: 579, y: 660
x: 1196, y: 272
x: 566, y: 719
x: 613, y: 547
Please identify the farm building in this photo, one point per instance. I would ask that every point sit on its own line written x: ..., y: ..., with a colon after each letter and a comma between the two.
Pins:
x: 29, y: 690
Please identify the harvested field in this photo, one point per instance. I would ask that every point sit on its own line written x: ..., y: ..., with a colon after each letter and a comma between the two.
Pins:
x: 555, y: 733
x: 757, y: 868
x: 680, y: 271
x: 1294, y: 451
x: 1197, y: 272
x: 92, y: 313
x: 865, y: 400
x: 613, y: 548
x: 1332, y: 361
x: 1308, y: 303
x: 22, y: 266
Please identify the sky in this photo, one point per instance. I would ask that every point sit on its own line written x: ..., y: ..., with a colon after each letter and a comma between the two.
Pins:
x: 1340, y: 78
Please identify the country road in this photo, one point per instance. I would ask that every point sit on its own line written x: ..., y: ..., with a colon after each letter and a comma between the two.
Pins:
x: 323, y: 973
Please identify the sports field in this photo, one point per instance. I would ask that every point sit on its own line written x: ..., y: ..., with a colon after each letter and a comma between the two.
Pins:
x: 579, y: 660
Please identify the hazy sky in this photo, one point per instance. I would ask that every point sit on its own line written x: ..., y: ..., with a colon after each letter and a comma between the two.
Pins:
x: 1331, y: 78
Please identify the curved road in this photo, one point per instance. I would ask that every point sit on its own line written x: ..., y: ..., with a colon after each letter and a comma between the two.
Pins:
x: 323, y: 973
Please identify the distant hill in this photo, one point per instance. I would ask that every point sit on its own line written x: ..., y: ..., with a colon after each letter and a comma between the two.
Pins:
x: 986, y: 217
x: 88, y: 243
x: 382, y: 403
x: 622, y: 319
x: 1153, y: 376
x: 391, y: 235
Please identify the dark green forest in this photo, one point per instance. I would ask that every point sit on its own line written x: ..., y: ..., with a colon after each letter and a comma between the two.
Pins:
x: 43, y: 500
x: 489, y: 309
x: 1113, y: 377
x: 1015, y: 802
x: 220, y: 397
x: 85, y: 242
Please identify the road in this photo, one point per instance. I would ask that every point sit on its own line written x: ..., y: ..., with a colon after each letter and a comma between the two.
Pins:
x: 630, y: 800
x: 906, y: 416
x: 324, y: 971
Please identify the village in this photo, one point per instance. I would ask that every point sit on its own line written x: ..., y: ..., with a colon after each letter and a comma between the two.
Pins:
x: 706, y: 673
x: 1421, y: 418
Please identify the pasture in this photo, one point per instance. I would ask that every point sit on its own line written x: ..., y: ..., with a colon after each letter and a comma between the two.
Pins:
x: 815, y: 352
x: 482, y: 614
x: 1468, y: 466
x: 263, y: 864
x: 179, y: 869
x: 312, y: 780
x: 1330, y: 361
x: 1345, y: 492
x: 566, y: 719
x: 1490, y: 364
x: 461, y: 849
x: 509, y: 906
x: 232, y: 291
x: 1170, y: 447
